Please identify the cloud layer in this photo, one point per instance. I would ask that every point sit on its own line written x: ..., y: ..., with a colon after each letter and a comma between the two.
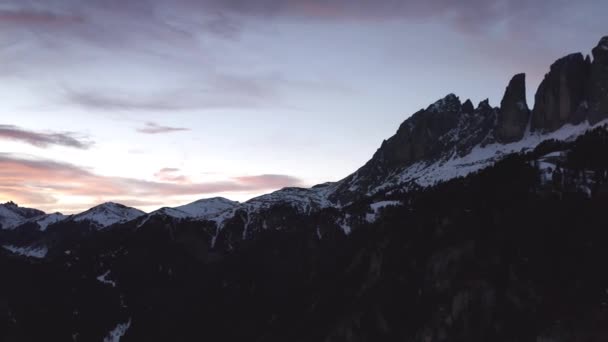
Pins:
x: 43, y: 139
x: 466, y: 13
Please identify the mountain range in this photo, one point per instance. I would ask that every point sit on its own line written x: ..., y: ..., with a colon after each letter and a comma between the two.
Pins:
x: 471, y: 223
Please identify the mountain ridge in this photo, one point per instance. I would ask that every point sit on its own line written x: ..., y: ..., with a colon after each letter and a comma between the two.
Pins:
x: 447, y: 135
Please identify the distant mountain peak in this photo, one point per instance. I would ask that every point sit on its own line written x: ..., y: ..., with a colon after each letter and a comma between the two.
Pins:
x: 107, y: 214
x: 205, y: 208
x: 12, y: 215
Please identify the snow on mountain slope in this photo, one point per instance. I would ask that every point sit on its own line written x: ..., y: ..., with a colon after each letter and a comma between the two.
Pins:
x: 9, y: 219
x: 212, y: 209
x: 425, y: 173
x: 46, y: 220
x: 377, y: 207
x: 302, y: 199
x: 207, y: 207
x: 221, y: 209
x: 31, y: 251
x: 12, y: 215
x: 107, y: 214
x: 118, y: 332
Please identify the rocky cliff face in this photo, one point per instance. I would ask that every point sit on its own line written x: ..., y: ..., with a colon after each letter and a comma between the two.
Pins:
x: 574, y: 90
x: 597, y: 86
x: 561, y: 95
x: 446, y: 128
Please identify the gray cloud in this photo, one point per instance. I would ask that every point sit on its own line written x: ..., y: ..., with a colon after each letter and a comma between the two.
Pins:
x: 43, y: 139
x: 211, y: 91
x: 111, y: 102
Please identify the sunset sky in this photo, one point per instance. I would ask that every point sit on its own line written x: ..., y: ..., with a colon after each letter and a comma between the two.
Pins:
x: 156, y: 103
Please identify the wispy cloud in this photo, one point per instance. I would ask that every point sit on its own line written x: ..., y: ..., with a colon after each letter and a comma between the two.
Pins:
x: 43, y: 139
x: 210, y: 90
x: 42, y: 182
x: 105, y: 101
x: 154, y: 128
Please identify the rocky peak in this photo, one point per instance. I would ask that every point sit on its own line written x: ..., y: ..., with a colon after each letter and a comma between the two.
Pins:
x: 561, y: 93
x: 450, y: 103
x: 514, y: 114
x: 467, y: 106
x: 445, y: 128
x: 484, y: 105
x: 600, y: 52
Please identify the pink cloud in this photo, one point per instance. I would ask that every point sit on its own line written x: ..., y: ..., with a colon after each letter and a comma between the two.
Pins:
x: 170, y: 174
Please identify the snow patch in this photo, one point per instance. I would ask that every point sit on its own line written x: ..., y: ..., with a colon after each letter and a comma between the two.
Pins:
x: 344, y: 224
x: 103, y: 278
x: 30, y: 251
x: 376, y: 207
x: 119, y: 331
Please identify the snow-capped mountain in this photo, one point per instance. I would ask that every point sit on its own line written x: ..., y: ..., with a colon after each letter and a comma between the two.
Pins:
x: 107, y: 214
x: 12, y: 215
x: 201, y: 209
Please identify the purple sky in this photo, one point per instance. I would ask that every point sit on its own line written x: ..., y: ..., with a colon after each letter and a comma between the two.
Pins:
x: 151, y: 103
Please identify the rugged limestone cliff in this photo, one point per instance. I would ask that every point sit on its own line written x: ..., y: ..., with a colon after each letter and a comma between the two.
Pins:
x: 597, y: 85
x: 561, y: 95
x: 573, y: 91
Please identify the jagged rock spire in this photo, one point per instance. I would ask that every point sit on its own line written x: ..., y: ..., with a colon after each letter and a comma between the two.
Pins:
x: 597, y: 87
x: 514, y: 113
x: 600, y: 52
x: 467, y: 106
